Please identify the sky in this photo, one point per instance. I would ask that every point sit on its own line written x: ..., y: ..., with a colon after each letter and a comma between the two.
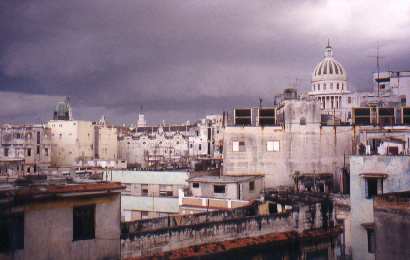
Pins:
x: 181, y: 60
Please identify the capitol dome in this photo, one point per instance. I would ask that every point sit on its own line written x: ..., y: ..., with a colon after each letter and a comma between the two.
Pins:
x: 329, y: 76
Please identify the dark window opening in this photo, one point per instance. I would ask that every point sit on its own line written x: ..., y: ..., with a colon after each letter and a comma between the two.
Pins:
x: 11, y: 232
x: 371, y: 241
x: 252, y: 185
x: 219, y: 188
x: 29, y: 152
x: 38, y: 137
x: 195, y: 185
x: 371, y: 188
x: 38, y: 149
x: 6, y: 152
x: 84, y: 223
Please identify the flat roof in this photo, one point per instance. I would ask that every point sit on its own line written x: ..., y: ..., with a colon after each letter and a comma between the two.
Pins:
x: 224, y: 178
x: 12, y: 193
x: 151, y: 177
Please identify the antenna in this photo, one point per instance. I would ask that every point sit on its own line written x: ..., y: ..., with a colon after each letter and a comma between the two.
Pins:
x: 378, y: 58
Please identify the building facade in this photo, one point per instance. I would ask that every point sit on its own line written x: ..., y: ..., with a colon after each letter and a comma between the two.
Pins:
x: 64, y: 221
x: 30, y: 143
x: 150, y: 194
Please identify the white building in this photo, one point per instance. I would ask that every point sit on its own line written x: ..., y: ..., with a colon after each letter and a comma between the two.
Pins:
x: 150, y: 194
x: 329, y: 84
x: 173, y: 145
x: 30, y: 143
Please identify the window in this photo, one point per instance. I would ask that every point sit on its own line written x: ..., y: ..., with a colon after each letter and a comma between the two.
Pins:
x: 127, y: 187
x: 272, y: 146
x: 38, y: 149
x: 195, y: 185
x: 144, y: 189
x: 28, y: 151
x: 84, y: 223
x: 11, y: 232
x: 200, y: 147
x: 238, y: 146
x: 6, y: 152
x: 46, y: 151
x: 219, y: 188
x: 38, y: 137
x: 144, y: 214
x: 302, y: 121
x: 252, y: 185
x: 371, y: 241
x: 373, y: 185
x: 163, y: 193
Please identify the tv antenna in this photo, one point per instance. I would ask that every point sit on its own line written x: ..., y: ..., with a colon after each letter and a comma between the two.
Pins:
x: 378, y: 58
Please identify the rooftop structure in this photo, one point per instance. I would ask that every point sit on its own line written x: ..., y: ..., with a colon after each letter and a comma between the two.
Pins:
x: 44, y: 218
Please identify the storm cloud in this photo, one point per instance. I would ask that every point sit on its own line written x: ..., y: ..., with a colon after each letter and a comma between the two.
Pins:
x: 181, y: 60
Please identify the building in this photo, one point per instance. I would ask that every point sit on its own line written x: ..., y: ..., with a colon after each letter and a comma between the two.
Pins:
x: 72, y: 141
x: 56, y: 219
x: 303, y: 228
x: 32, y: 143
x: 106, y: 141
x: 171, y: 146
x: 370, y: 176
x: 150, y: 194
x: 227, y: 187
x: 210, y: 192
x: 391, y: 224
x: 392, y: 83
x: 329, y: 85
x: 63, y: 110
x: 267, y: 141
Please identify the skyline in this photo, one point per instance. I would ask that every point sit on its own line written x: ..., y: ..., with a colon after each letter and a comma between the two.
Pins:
x: 181, y: 61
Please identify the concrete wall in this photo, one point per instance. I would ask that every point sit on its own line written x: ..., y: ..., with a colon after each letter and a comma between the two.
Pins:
x: 206, y: 189
x: 106, y: 143
x: 71, y: 141
x: 305, y: 148
x: 392, y: 224
x: 397, y: 169
x: 21, y: 142
x: 134, y: 244
x: 48, y: 231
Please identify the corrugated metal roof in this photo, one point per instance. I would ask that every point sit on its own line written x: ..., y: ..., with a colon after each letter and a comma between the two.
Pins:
x: 151, y: 177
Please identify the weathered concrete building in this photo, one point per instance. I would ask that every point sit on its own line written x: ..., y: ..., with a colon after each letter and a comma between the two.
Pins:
x: 59, y: 220
x: 32, y: 143
x: 298, y: 144
x: 171, y: 146
x: 72, y: 141
x: 392, y: 226
x: 370, y: 176
x: 227, y: 187
x: 303, y: 230
x: 150, y: 194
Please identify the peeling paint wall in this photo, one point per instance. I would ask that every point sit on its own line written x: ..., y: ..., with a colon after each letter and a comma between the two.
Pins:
x: 397, y: 169
x: 151, y: 242
x: 307, y: 148
x: 48, y: 231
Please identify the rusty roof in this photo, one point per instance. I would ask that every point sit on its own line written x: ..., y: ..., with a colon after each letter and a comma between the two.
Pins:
x: 33, y: 192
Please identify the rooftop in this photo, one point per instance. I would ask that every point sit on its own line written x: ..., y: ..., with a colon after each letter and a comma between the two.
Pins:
x: 224, y: 179
x: 35, y: 189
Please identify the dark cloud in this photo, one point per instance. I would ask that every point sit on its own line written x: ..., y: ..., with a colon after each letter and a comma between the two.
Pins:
x: 184, y: 59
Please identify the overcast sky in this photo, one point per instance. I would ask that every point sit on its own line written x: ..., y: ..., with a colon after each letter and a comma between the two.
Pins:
x: 183, y: 59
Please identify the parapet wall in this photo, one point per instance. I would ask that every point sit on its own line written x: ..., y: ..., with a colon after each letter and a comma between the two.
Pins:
x: 218, y: 226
